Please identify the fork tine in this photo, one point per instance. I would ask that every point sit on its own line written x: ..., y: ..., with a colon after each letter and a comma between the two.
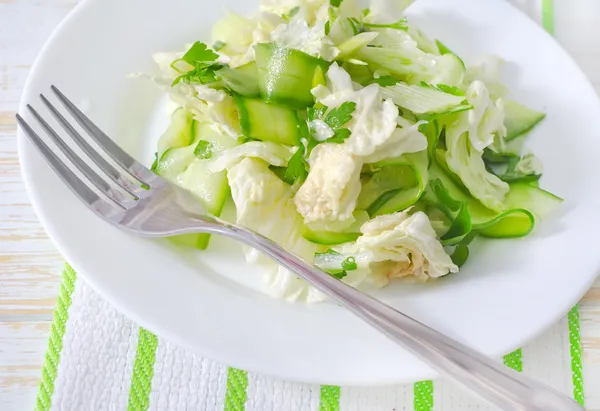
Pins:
x: 132, y: 166
x: 90, y: 174
x: 104, y: 165
x: 69, y: 178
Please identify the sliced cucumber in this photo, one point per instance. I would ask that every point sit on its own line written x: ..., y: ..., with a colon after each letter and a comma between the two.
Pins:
x: 171, y: 165
x: 285, y: 76
x: 353, y: 44
x: 398, y: 184
x: 432, y: 130
x: 268, y: 122
x: 360, y: 73
x: 524, y: 203
x: 243, y: 80
x: 182, y: 167
x: 451, y: 71
x: 199, y: 241
x: 211, y: 188
x: 443, y: 49
x: 390, y: 178
x: 219, y: 142
x: 332, y: 238
x: 174, y: 161
x: 520, y: 119
x: 179, y: 132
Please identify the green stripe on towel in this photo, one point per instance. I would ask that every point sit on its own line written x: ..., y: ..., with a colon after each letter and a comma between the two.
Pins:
x: 514, y: 360
x: 143, y: 371
x: 576, y: 363
x: 423, y: 396
x: 237, y: 386
x: 330, y: 398
x: 55, y: 341
x: 548, y: 15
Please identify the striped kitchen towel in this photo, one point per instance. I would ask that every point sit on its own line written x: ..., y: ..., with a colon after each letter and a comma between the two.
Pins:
x: 99, y: 360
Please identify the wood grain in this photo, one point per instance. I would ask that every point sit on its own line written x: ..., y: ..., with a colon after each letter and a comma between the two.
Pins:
x: 29, y: 263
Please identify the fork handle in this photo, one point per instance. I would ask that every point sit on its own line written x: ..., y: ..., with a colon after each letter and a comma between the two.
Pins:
x: 499, y: 385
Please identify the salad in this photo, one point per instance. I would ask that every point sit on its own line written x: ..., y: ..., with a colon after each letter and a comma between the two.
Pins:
x: 350, y: 138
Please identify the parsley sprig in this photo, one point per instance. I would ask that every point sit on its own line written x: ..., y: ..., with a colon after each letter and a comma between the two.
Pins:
x: 203, y: 61
x: 297, y: 168
x: 336, y: 119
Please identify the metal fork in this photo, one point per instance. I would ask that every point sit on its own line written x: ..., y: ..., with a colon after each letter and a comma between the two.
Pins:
x: 131, y: 197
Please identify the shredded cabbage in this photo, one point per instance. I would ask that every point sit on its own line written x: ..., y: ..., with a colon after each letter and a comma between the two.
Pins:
x: 529, y: 164
x: 328, y: 196
x: 466, y: 138
x: 208, y: 105
x: 265, y: 204
x: 275, y: 154
x: 240, y: 34
x: 419, y: 99
x: 373, y: 121
x: 387, y: 11
x: 299, y: 35
x: 405, y: 139
x: 397, y: 245
x: 488, y: 69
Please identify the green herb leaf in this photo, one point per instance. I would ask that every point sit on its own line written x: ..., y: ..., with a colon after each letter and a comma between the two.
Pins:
x: 218, y: 45
x: 460, y: 255
x: 455, y: 91
x: 349, y: 264
x: 339, y: 274
x: 316, y: 112
x: 456, y: 211
x: 340, y: 115
x: 341, y: 134
x: 493, y: 157
x: 199, y: 52
x: 461, y: 252
x: 357, y: 26
x: 327, y: 28
x: 155, y: 163
x: 203, y: 60
x: 444, y: 196
x: 443, y: 48
x: 385, y: 81
x: 297, y: 169
x: 243, y: 140
x: 440, y: 116
x: 290, y: 14
x: 328, y: 252
x: 399, y: 25
x: 279, y: 172
x: 204, y: 149
x: 203, y: 73
x: 460, y: 227
x: 335, y: 3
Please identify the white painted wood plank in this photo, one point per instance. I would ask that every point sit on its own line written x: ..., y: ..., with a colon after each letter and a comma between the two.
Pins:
x: 21, y: 357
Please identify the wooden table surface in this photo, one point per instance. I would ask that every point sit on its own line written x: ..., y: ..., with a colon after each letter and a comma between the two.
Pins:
x: 29, y: 263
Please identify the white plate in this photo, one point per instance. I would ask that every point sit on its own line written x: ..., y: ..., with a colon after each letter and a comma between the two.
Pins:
x: 510, y: 290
